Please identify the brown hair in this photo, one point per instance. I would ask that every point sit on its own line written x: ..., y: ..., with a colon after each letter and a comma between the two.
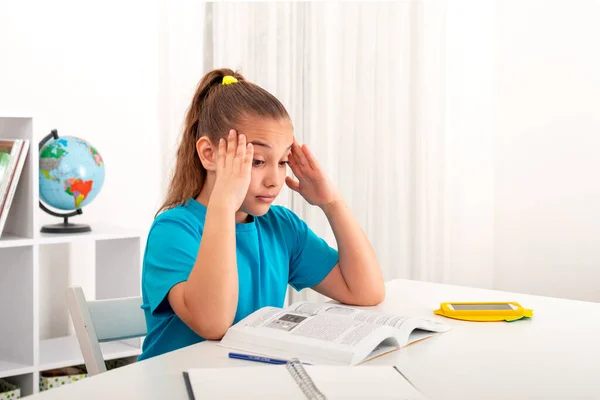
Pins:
x: 215, y: 109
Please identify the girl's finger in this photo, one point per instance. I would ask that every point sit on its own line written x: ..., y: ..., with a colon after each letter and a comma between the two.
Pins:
x: 247, y: 164
x: 292, y: 183
x: 310, y: 157
x: 231, y: 146
x: 240, y: 152
x: 299, y: 154
x: 291, y: 159
x: 221, y: 153
x: 293, y: 163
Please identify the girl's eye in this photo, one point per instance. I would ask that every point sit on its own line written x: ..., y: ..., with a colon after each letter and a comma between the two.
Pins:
x: 283, y: 163
x: 257, y: 163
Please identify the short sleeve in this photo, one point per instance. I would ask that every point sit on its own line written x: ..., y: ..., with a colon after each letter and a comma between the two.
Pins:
x: 170, y: 255
x: 312, y: 258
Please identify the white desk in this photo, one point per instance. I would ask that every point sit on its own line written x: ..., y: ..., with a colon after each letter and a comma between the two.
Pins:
x: 555, y: 355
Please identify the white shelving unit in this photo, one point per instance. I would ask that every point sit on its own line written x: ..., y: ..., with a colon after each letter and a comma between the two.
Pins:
x: 36, y: 267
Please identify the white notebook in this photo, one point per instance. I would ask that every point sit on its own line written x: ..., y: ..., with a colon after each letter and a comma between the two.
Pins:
x: 297, y: 382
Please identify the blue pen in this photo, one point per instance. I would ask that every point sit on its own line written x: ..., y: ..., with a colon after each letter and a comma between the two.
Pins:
x: 251, y: 357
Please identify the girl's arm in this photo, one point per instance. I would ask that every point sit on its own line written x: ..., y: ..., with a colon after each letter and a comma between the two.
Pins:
x: 207, y: 301
x: 357, y: 278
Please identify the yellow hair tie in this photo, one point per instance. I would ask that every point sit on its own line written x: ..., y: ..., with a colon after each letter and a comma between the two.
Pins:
x: 228, y: 80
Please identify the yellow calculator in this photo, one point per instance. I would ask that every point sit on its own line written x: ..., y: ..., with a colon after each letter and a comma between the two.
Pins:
x: 484, y: 311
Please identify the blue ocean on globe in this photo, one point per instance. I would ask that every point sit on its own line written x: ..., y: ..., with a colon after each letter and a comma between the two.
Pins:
x: 71, y: 173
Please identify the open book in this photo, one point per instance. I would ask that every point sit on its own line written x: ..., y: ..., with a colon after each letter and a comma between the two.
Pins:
x: 326, y: 333
x: 13, y: 153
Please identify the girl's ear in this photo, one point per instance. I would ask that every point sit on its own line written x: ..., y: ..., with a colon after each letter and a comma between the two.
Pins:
x: 207, y: 153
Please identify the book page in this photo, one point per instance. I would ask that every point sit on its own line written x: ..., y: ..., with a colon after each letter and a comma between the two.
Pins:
x: 362, y: 383
x: 4, y: 161
x: 396, y: 321
x: 253, y: 382
x: 327, y: 337
x: 12, y: 179
x: 8, y: 161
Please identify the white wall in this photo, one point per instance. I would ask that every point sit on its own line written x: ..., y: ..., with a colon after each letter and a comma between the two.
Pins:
x: 470, y: 81
x: 547, y: 148
x: 90, y: 70
x: 181, y: 66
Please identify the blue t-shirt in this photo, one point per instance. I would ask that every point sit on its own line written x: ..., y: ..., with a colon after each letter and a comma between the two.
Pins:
x: 272, y: 250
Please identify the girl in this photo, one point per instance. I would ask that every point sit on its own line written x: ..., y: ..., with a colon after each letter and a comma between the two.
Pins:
x: 218, y: 250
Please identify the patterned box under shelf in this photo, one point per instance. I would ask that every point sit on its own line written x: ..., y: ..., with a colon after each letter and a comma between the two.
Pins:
x: 60, y: 377
x: 8, y: 391
x: 64, y: 376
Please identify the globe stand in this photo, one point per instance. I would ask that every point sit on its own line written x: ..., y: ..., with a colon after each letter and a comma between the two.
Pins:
x: 66, y: 226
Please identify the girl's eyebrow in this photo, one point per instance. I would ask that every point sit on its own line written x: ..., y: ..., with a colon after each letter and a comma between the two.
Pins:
x: 259, y: 143
x: 264, y: 144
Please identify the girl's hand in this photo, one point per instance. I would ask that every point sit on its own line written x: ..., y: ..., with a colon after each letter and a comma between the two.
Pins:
x: 234, y: 167
x: 313, y: 184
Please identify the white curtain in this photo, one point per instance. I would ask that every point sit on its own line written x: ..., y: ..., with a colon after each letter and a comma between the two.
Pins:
x: 366, y: 84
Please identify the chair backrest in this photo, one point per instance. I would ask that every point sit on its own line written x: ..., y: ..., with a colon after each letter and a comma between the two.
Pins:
x: 99, y: 321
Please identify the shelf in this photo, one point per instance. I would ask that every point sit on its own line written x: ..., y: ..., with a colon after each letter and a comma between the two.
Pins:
x: 99, y: 232
x: 12, y: 369
x: 36, y: 268
x: 12, y: 115
x: 8, y: 240
x: 64, y: 352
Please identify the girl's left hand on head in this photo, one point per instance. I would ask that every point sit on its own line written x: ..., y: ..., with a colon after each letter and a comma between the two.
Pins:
x: 312, y: 183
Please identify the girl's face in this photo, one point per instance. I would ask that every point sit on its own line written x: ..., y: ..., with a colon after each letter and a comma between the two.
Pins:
x: 272, y: 140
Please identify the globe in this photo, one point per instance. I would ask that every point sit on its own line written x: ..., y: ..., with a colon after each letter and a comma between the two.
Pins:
x: 71, y: 173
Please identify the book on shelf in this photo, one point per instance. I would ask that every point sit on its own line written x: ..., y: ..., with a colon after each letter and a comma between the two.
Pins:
x: 295, y: 381
x: 326, y: 333
x: 13, y: 153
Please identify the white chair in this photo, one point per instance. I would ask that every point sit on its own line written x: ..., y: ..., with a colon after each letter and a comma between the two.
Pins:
x: 103, y: 321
